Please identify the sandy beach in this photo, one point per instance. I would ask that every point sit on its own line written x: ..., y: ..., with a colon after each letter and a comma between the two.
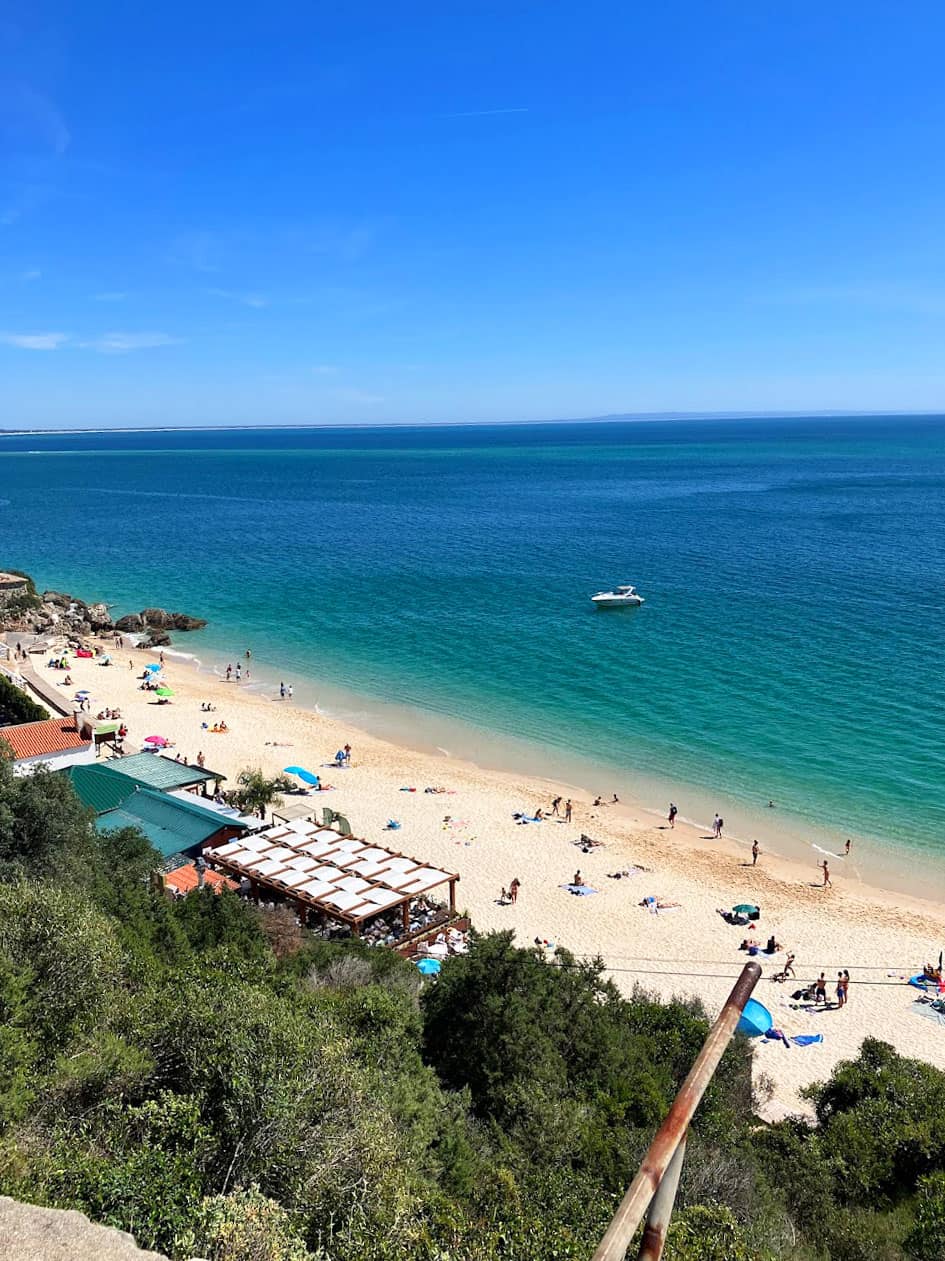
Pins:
x: 687, y: 950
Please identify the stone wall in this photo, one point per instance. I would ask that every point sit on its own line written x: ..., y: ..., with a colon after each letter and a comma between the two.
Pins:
x: 11, y: 585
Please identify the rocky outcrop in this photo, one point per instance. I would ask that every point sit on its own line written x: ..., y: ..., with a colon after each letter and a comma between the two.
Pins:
x: 29, y: 1233
x: 57, y: 612
x: 159, y: 620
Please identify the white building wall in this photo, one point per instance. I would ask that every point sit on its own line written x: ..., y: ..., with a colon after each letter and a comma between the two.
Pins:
x: 56, y: 761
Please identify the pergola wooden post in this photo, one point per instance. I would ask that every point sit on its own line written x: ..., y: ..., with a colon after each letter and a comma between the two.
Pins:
x: 405, y: 912
x: 452, y: 897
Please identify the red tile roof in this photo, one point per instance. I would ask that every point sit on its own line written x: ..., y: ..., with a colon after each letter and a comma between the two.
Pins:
x: 48, y: 736
x: 183, y: 879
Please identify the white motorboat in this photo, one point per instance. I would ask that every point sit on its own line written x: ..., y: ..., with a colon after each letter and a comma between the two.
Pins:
x: 620, y: 598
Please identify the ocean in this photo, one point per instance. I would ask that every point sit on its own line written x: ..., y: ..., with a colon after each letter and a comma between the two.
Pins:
x: 434, y: 582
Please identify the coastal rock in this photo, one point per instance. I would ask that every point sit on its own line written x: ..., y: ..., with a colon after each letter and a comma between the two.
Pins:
x: 98, y: 616
x: 159, y: 619
x: 157, y: 639
x: 163, y: 620
x: 130, y: 622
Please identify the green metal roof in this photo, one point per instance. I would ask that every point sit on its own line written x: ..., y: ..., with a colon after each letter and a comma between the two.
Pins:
x: 162, y: 773
x: 171, y: 825
x: 100, y: 787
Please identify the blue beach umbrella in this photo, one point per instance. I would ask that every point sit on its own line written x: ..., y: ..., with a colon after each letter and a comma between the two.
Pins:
x: 154, y: 667
x: 428, y: 967
x: 308, y: 778
x: 294, y: 770
x: 755, y: 1020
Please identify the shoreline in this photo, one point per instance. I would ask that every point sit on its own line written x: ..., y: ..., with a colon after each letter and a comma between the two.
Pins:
x: 885, y: 868
x: 470, y: 829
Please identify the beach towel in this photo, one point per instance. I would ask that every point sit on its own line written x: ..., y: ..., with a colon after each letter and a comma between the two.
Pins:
x: 807, y: 1039
x: 579, y: 890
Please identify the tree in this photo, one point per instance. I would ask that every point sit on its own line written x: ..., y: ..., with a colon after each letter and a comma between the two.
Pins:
x: 256, y: 790
x: 926, y: 1241
x: 16, y: 706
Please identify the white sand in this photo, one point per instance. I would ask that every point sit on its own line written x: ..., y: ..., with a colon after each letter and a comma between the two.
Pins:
x: 688, y: 951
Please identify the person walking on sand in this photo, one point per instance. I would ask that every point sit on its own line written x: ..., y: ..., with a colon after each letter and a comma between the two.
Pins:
x: 846, y: 848
x: 513, y: 890
x: 755, y: 851
x: 229, y: 673
x: 672, y: 814
x: 281, y: 691
x: 828, y: 883
x: 567, y: 811
x: 717, y: 826
x: 554, y: 806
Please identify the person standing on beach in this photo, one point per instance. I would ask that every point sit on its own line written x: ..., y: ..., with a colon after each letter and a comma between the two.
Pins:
x: 672, y: 814
x: 554, y: 806
x: 828, y: 883
x: 841, y: 992
x: 288, y: 691
x: 717, y: 826
x: 567, y: 811
x: 513, y: 890
x: 820, y: 989
x: 229, y: 672
x: 755, y: 851
x: 348, y: 754
x: 281, y: 691
x: 846, y: 848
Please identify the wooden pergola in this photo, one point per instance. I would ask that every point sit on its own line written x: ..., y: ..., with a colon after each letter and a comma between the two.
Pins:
x: 343, y: 876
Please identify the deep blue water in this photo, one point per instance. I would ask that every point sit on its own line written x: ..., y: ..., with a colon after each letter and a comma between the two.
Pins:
x: 791, y: 644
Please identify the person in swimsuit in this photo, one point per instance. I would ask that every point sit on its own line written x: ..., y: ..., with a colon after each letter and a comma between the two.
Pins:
x: 672, y: 814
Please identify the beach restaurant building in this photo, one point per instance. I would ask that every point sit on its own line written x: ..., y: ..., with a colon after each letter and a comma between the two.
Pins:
x: 174, y: 822
x: 164, y: 774
x: 53, y: 742
x: 338, y: 876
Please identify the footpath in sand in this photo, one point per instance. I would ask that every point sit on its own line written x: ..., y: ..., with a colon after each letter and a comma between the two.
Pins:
x: 880, y: 938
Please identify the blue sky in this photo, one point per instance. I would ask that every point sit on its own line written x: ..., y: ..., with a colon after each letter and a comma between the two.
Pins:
x: 314, y: 213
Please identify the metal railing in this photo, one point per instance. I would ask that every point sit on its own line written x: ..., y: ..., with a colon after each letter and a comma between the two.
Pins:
x: 653, y: 1190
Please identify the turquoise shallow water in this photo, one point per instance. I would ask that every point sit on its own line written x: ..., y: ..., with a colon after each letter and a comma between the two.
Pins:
x: 791, y: 645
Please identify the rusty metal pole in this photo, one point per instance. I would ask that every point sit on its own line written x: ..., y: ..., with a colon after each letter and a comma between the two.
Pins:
x: 613, y: 1247
x: 661, y: 1207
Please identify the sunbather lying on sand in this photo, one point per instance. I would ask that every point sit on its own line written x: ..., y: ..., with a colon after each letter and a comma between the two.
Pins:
x: 661, y: 904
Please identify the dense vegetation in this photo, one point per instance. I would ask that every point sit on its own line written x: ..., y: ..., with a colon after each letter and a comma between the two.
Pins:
x: 164, y: 1070
x: 16, y: 706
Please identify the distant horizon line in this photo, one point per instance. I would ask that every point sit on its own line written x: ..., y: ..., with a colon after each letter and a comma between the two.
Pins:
x: 607, y: 418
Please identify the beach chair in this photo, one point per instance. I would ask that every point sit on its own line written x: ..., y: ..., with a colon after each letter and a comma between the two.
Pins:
x: 328, y: 816
x: 342, y: 825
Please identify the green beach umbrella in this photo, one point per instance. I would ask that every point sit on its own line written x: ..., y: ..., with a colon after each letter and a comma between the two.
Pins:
x: 744, y: 909
x: 164, y: 691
